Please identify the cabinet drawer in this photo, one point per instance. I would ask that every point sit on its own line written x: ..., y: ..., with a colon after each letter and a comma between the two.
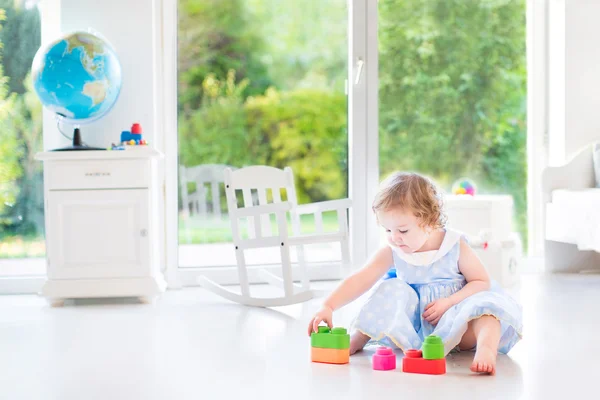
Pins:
x: 97, y: 174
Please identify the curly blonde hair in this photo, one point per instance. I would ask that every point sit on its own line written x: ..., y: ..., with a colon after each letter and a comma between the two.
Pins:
x: 414, y: 193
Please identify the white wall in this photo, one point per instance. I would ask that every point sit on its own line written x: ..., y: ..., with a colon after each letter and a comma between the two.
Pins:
x: 574, y: 76
x: 583, y: 72
x: 556, y: 78
x: 134, y: 28
x: 130, y: 26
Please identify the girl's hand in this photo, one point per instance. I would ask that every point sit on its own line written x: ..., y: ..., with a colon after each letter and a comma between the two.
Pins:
x: 325, y: 314
x: 434, y: 310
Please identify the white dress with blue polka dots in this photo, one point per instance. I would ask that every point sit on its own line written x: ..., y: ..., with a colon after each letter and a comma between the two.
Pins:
x: 393, y: 314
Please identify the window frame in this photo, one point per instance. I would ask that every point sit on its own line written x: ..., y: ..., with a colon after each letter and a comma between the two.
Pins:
x: 362, y: 151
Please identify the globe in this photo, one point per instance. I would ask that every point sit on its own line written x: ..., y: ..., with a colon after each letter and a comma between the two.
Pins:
x: 77, y: 77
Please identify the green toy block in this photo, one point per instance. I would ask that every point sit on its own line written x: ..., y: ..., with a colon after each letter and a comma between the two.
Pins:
x: 433, y: 348
x: 337, y: 338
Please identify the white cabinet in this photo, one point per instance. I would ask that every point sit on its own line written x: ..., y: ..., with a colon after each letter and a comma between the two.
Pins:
x: 101, y: 224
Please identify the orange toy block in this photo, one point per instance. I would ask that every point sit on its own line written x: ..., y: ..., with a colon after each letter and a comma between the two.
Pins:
x: 330, y: 356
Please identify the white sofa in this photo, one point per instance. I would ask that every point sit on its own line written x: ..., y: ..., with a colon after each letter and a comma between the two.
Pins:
x: 572, y: 215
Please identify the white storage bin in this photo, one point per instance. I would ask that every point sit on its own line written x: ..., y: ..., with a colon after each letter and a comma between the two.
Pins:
x: 502, y: 259
x: 474, y: 215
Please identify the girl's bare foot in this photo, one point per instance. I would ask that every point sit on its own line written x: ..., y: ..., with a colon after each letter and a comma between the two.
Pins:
x: 357, y: 342
x: 484, y: 360
x: 486, y: 330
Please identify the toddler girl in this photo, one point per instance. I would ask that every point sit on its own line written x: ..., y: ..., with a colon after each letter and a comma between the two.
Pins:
x: 429, y: 281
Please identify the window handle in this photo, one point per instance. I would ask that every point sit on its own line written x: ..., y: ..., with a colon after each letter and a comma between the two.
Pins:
x: 359, y: 67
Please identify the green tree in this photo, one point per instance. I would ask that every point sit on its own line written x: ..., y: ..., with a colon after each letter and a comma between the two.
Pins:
x: 216, y: 36
x: 9, y: 146
x: 305, y: 130
x: 448, y: 70
x: 306, y: 42
x: 26, y: 124
x: 452, y: 91
x: 504, y: 166
x: 216, y: 133
x: 21, y: 36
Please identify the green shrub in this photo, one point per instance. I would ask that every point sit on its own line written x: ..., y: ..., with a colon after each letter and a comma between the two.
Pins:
x: 10, y: 169
x: 305, y: 130
x: 216, y: 132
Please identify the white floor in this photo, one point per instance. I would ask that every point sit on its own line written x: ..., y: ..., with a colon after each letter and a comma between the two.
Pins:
x: 193, y: 345
x: 194, y: 256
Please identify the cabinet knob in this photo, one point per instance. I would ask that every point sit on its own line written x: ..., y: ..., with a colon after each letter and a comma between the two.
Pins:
x: 144, y: 232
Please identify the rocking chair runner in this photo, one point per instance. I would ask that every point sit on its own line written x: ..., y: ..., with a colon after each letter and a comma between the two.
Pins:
x: 261, y: 179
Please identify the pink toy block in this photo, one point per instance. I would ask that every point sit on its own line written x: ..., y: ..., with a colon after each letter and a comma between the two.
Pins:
x: 384, y: 359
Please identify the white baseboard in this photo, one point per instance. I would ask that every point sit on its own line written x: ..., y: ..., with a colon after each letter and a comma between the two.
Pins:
x: 95, y: 288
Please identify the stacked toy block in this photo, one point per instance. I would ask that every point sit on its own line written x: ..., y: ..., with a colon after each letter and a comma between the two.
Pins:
x: 430, y: 360
x: 330, y: 346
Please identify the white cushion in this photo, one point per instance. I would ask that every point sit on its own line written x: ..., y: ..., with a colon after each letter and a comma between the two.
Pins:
x: 574, y: 217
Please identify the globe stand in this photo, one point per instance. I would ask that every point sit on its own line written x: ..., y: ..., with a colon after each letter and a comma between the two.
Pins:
x: 77, y: 143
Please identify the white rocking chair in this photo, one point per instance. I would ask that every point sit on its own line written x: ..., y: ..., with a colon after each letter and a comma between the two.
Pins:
x: 262, y: 178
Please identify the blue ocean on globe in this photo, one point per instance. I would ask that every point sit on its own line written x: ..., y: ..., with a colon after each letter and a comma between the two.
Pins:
x: 78, y: 77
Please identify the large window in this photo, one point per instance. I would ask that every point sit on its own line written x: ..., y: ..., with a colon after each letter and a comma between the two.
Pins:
x: 260, y: 82
x: 22, y: 247
x: 263, y: 82
x: 452, y: 93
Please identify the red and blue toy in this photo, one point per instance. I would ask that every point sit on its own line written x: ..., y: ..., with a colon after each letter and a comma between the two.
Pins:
x: 133, y: 137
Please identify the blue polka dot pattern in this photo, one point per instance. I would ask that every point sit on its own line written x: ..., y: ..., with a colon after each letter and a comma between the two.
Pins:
x: 392, y: 315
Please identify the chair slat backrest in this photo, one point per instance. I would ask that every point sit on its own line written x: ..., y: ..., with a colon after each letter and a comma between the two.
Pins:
x: 255, y: 182
x: 212, y: 175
